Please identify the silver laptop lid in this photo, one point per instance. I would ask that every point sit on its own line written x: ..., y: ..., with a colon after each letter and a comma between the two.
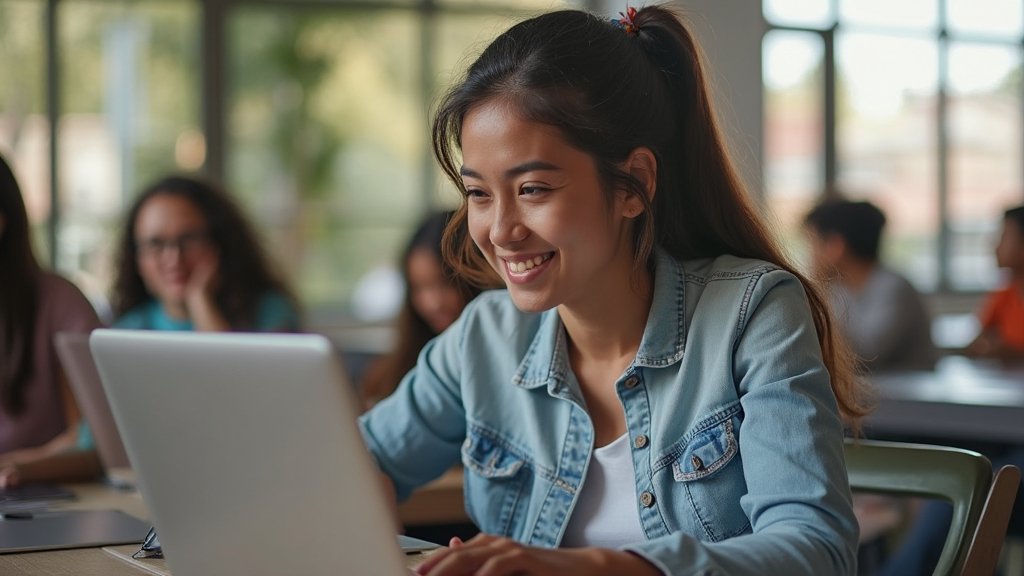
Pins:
x: 247, y: 453
x: 84, y: 381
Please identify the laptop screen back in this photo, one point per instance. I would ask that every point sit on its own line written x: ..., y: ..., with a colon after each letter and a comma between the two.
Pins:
x: 247, y: 453
x: 84, y: 380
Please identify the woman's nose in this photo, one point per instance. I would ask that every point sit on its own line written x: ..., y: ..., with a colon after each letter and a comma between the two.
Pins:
x: 507, y: 227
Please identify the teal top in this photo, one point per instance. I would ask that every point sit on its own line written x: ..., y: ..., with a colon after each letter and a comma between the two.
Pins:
x: 275, y: 314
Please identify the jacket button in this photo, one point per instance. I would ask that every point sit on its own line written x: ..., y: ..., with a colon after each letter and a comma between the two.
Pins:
x: 698, y: 464
x: 640, y: 441
x: 647, y: 499
x: 631, y: 382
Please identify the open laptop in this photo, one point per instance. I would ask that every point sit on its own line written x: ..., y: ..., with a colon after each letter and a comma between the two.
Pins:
x: 247, y: 453
x: 84, y: 380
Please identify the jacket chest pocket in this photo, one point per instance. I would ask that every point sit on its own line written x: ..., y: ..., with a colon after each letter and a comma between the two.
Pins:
x: 709, y: 473
x: 497, y: 477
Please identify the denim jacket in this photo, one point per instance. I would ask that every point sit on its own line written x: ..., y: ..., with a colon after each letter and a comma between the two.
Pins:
x: 735, y: 435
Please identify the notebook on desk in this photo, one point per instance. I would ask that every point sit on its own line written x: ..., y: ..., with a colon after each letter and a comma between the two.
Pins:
x: 61, y: 529
x: 84, y: 381
x: 247, y: 453
x: 31, y: 497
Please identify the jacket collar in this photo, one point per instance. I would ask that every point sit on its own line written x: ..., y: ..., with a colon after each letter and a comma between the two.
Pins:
x: 546, y: 361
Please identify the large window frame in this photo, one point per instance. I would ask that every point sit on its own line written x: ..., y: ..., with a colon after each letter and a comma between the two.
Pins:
x: 830, y: 159
x: 214, y: 18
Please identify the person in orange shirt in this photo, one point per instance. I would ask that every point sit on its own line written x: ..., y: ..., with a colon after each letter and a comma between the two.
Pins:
x: 1002, y: 316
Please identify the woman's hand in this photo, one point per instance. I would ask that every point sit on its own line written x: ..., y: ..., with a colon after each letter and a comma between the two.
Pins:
x: 199, y: 296
x: 9, y: 477
x: 202, y: 281
x: 486, y: 555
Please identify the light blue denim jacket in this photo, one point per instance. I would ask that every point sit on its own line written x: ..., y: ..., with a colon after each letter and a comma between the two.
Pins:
x: 735, y: 434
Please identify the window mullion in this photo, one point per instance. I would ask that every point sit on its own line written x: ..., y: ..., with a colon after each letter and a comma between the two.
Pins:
x: 829, y: 108
x: 214, y: 55
x: 53, y: 114
x: 944, y: 244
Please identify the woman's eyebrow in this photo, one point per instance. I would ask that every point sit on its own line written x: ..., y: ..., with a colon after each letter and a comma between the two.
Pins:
x: 531, y: 166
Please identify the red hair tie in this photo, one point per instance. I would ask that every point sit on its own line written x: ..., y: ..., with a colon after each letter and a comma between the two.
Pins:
x: 628, y: 21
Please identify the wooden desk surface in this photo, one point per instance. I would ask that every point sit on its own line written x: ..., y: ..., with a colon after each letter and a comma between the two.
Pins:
x: 432, y: 504
x: 962, y: 399
x: 439, y: 502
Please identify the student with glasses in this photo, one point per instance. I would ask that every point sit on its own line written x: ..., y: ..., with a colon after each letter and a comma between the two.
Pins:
x: 188, y: 260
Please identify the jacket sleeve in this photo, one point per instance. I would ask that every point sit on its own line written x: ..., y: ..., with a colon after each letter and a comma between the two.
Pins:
x: 416, y: 433
x: 798, y: 497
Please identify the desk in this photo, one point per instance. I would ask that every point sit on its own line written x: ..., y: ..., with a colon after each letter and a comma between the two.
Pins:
x: 97, y: 562
x: 439, y: 502
x: 962, y: 399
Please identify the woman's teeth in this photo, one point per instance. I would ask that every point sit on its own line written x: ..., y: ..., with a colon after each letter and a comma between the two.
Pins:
x: 524, y: 265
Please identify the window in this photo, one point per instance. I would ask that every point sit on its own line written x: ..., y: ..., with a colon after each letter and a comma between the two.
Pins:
x: 325, y: 138
x: 916, y: 106
x: 24, y: 126
x: 314, y: 113
x: 128, y: 103
x: 794, y: 136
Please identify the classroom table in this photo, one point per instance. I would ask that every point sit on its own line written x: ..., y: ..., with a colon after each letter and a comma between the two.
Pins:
x: 439, y: 502
x: 963, y: 399
x: 432, y: 504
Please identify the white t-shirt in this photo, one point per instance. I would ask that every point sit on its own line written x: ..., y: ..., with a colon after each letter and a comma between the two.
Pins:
x: 606, y: 513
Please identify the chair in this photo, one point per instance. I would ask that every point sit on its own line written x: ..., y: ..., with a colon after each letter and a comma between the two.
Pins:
x: 981, y: 503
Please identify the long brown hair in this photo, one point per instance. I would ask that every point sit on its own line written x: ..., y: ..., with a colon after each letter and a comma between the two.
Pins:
x: 19, y: 295
x: 413, y: 331
x: 245, y: 275
x: 611, y: 88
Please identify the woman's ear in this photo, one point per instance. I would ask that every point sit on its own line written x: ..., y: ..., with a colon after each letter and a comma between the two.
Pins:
x: 643, y: 166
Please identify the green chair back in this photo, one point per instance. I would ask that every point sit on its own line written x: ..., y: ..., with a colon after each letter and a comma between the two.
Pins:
x: 961, y: 477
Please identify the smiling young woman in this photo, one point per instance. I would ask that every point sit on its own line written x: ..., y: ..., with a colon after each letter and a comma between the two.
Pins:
x: 656, y: 390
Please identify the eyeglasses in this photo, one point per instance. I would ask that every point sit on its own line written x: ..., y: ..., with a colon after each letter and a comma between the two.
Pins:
x: 187, y: 243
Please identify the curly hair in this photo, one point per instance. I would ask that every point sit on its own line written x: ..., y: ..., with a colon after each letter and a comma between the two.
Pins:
x: 245, y: 272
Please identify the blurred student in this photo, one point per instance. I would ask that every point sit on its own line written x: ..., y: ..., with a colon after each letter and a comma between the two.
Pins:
x: 434, y: 298
x: 1002, y: 316
x: 885, y: 319
x: 38, y: 414
x: 188, y: 260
